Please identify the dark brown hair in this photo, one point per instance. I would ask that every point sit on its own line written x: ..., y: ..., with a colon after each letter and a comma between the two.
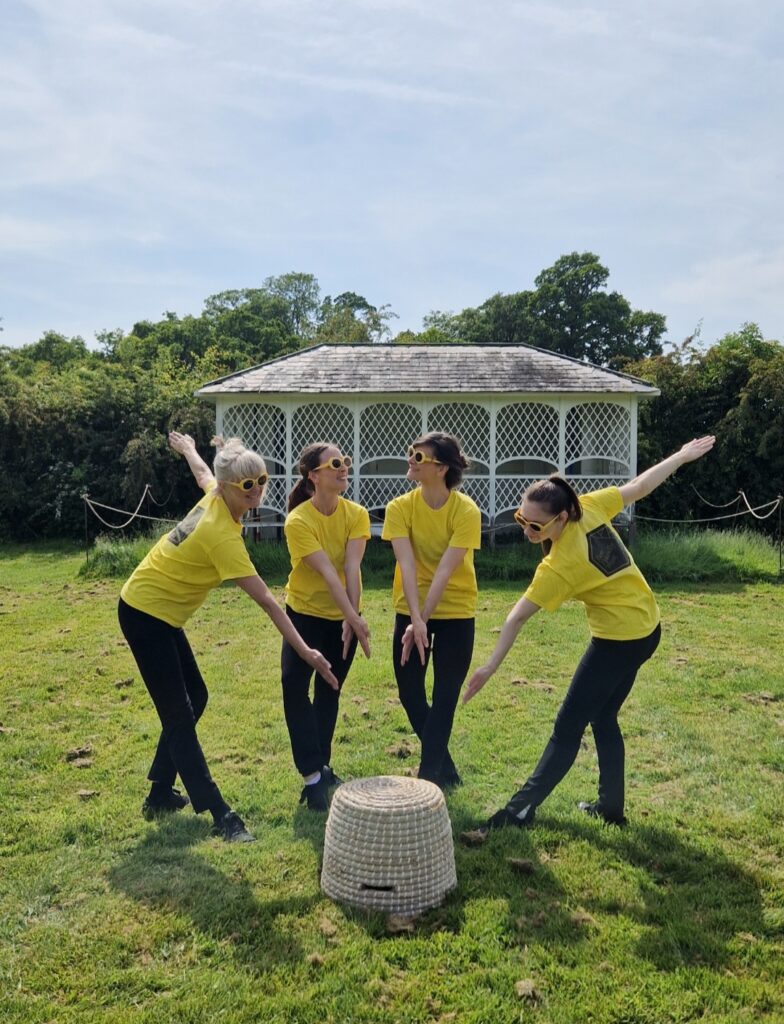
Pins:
x: 556, y: 495
x: 446, y: 448
x: 310, y: 458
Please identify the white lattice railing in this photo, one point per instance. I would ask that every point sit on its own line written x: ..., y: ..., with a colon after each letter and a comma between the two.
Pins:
x: 506, y: 442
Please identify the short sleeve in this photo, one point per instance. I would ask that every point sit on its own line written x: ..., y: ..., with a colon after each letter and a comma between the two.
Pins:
x: 468, y: 528
x: 395, y: 524
x: 301, y: 539
x: 231, y: 559
x: 548, y: 588
x: 360, y: 528
x: 607, y: 501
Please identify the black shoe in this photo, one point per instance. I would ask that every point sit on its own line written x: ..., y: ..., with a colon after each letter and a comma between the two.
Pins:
x: 451, y: 781
x: 332, y: 780
x: 501, y: 819
x: 316, y: 795
x: 593, y: 810
x: 171, y: 802
x: 232, y: 828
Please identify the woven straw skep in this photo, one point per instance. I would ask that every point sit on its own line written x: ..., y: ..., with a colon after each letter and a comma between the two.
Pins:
x: 388, y: 845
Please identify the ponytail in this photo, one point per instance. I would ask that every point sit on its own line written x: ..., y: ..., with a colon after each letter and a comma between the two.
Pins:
x: 303, y: 489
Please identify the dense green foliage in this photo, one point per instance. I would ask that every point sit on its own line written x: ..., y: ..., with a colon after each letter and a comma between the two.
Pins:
x: 73, y: 419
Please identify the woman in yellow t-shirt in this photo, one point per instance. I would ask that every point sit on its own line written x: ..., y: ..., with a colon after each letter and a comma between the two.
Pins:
x: 586, y: 560
x: 434, y: 530
x: 157, y: 600
x: 326, y: 536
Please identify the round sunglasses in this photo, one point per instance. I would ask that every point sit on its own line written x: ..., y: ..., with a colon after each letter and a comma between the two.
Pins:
x: 250, y: 482
x: 336, y: 462
x: 528, y: 524
x: 419, y: 457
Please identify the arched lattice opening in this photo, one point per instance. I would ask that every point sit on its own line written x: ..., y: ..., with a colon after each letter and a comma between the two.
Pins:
x: 262, y: 428
x: 598, y: 440
x: 471, y: 423
x: 386, y: 429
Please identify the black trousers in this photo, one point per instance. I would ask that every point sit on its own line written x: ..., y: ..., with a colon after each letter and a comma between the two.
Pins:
x: 451, y: 645
x: 311, y: 724
x: 600, y: 685
x: 174, y: 682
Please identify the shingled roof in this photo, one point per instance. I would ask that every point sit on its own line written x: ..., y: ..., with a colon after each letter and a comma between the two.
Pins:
x: 409, y: 369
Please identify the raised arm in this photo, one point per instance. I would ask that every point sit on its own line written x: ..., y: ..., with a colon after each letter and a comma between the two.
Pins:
x: 185, y: 445
x: 319, y: 561
x: 515, y: 620
x: 648, y: 481
x: 257, y: 589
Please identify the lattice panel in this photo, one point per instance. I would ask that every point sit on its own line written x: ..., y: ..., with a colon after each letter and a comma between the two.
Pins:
x: 275, y: 496
x: 478, y: 488
x: 527, y: 430
x: 509, y: 492
x: 469, y: 422
x: 386, y: 430
x: 262, y: 428
x: 321, y: 422
x: 598, y: 430
x: 378, y: 491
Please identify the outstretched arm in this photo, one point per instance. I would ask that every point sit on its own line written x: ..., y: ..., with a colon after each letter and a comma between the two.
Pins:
x: 256, y: 588
x: 185, y: 445
x: 648, y: 481
x: 515, y: 620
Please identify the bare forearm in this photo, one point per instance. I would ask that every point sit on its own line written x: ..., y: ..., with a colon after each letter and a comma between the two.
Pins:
x: 515, y: 620
x: 648, y: 481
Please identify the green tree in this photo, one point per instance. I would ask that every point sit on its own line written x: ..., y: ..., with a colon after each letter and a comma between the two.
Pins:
x: 350, y: 318
x: 571, y: 313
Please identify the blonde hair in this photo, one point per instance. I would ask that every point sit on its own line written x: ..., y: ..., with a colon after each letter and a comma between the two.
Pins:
x: 234, y: 462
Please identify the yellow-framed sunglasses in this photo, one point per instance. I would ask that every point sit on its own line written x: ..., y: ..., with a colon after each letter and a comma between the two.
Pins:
x: 419, y: 457
x: 250, y: 482
x: 336, y: 462
x: 528, y: 524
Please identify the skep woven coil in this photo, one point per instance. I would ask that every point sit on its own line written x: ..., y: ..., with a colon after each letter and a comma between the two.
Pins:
x: 388, y: 845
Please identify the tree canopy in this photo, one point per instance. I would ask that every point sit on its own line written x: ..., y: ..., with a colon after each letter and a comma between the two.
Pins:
x: 75, y: 418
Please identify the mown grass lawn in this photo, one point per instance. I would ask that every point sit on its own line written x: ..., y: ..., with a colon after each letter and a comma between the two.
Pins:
x: 105, y: 917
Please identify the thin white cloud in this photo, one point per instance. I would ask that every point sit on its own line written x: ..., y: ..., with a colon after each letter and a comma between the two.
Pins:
x: 446, y: 150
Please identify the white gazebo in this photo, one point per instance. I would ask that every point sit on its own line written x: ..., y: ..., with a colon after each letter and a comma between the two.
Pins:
x: 520, y: 412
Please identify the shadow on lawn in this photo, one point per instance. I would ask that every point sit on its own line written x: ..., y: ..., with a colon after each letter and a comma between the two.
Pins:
x: 692, y: 901
x: 164, y: 873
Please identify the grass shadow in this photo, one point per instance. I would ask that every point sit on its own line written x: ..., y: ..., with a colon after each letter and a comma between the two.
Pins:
x: 693, y: 901
x: 165, y: 873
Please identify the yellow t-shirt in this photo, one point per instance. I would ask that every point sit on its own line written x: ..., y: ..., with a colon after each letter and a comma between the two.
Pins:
x: 202, y: 551
x: 308, y: 531
x: 457, y: 524
x: 590, y: 563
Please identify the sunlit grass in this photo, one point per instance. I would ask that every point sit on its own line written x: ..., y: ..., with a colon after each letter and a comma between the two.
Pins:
x: 107, y: 918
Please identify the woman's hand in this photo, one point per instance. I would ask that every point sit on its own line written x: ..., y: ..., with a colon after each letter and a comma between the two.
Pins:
x: 695, y: 449
x: 478, y: 679
x: 182, y: 443
x: 361, y: 631
x: 415, y: 635
x: 317, y: 661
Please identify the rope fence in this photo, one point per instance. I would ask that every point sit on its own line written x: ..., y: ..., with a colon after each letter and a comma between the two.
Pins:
x: 772, y: 506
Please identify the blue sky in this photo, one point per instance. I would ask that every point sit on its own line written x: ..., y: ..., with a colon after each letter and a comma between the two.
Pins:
x: 424, y: 154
